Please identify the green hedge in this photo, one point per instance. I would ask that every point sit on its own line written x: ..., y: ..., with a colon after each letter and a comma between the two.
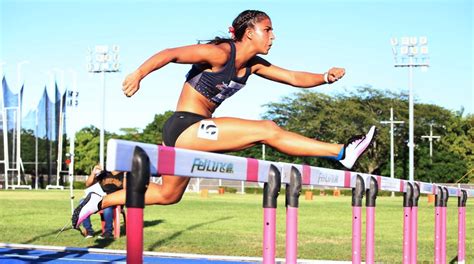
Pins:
x: 230, y: 189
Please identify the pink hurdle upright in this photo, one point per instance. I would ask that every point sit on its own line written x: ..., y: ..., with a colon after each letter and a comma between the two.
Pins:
x: 410, y: 222
x: 293, y: 190
x: 444, y: 205
x: 271, y: 190
x: 135, y: 202
x: 357, y: 195
x: 371, y: 196
x: 407, y: 204
x: 414, y: 224
x: 437, y: 241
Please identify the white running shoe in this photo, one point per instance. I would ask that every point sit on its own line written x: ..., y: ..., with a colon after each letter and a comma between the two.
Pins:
x: 356, y: 146
x: 96, y: 188
x: 90, y: 205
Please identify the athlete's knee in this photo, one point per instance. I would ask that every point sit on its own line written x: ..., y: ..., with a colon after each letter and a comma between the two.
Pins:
x: 270, y: 129
x: 170, y: 197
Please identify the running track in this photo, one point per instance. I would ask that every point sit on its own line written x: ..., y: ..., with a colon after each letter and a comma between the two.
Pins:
x: 19, y: 253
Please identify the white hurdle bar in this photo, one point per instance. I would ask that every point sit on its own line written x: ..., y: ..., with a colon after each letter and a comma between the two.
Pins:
x: 198, y: 164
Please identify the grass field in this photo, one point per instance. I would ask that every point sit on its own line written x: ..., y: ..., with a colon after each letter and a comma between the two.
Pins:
x: 231, y: 224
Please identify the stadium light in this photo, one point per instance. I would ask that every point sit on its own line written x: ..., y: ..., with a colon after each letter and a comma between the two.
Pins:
x: 413, y: 53
x: 102, y: 60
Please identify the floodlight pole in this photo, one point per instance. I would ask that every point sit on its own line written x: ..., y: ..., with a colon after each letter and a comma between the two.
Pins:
x: 104, y: 61
x: 102, y: 126
x: 392, y: 122
x: 411, y: 122
x: 410, y: 50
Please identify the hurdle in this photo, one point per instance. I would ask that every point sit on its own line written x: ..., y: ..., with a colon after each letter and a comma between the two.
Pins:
x: 150, y: 159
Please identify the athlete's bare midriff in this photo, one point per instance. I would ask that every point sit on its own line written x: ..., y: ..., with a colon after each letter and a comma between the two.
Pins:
x: 192, y: 101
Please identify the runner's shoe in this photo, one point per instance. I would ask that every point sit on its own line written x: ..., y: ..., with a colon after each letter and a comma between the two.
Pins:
x: 356, y: 146
x: 95, y: 188
x: 90, y: 205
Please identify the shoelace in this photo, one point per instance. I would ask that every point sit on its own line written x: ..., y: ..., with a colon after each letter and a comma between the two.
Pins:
x: 355, y: 139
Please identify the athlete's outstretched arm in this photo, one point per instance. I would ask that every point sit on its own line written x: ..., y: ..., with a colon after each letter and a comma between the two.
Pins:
x: 263, y: 68
x: 199, y: 53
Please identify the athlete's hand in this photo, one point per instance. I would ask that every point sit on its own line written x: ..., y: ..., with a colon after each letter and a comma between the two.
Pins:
x: 335, y: 74
x: 97, y: 169
x: 131, y: 84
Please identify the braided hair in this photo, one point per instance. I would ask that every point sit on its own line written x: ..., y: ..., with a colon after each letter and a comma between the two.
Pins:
x: 246, y: 19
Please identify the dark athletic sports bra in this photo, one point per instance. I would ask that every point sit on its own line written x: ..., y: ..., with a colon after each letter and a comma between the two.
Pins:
x: 218, y: 86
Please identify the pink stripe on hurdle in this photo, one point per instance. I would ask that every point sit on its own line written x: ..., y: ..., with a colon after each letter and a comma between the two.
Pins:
x: 166, y: 160
x: 379, y: 182
x: 347, y: 179
x: 306, y: 175
x: 252, y: 170
x: 402, y: 183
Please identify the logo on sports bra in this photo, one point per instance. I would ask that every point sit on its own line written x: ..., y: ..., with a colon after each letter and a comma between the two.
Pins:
x: 226, y: 91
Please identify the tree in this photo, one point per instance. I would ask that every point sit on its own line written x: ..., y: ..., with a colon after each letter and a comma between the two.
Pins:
x: 153, y: 132
x: 87, y: 149
x: 336, y: 118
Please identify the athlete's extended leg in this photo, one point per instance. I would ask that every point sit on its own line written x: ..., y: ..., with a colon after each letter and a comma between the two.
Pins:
x: 230, y: 134
x: 169, y: 192
x: 236, y: 134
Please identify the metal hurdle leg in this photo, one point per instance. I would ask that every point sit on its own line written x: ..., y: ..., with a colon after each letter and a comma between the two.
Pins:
x: 407, y: 204
x: 438, y: 202
x: 271, y: 190
x: 443, y: 224
x: 137, y: 184
x: 371, y: 196
x: 357, y: 195
x: 414, y: 224
x: 293, y: 191
x: 462, y: 227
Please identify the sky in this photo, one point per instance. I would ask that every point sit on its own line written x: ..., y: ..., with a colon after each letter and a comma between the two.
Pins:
x: 46, y: 40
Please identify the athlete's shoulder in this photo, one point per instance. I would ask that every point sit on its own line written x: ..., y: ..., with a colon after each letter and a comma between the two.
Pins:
x: 218, y: 54
x: 258, y: 62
